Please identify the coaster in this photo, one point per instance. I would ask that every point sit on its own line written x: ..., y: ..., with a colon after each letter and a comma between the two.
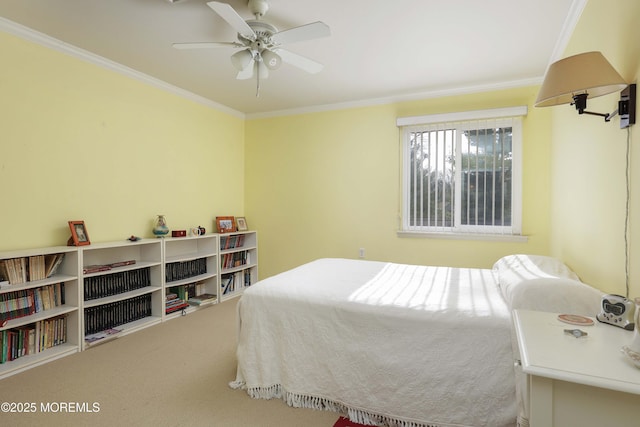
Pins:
x: 575, y: 319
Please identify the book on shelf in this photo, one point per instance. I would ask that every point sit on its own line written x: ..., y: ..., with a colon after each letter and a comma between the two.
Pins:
x: 87, y: 269
x: 102, y: 335
x: 122, y: 263
x: 228, y: 283
x: 106, y: 267
x: 202, y: 299
x: 52, y: 263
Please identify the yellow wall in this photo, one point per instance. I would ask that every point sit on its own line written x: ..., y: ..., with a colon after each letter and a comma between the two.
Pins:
x: 588, y: 172
x: 327, y: 184
x: 79, y: 142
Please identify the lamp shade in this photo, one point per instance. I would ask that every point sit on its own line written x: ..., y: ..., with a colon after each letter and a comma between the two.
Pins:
x: 241, y: 59
x: 271, y: 59
x: 588, y: 72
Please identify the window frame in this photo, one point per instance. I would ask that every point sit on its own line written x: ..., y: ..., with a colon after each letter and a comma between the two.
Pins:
x: 408, y: 125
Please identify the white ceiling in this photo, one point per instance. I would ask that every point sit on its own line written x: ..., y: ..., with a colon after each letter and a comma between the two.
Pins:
x: 378, y: 50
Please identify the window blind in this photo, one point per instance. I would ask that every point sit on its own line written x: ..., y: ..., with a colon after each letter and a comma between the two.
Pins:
x: 463, y: 176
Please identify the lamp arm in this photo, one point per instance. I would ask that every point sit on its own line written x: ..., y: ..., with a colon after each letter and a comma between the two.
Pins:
x: 607, y: 117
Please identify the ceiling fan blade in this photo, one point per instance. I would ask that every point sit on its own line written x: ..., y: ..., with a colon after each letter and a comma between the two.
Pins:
x: 206, y: 45
x: 227, y: 13
x: 247, y: 72
x: 311, y: 31
x: 306, y: 64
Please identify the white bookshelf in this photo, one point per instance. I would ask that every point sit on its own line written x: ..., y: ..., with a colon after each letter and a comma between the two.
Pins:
x: 191, y: 270
x: 65, y: 316
x: 124, y: 297
x: 238, y: 262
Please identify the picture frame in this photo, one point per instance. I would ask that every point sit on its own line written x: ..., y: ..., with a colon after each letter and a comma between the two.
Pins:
x: 241, y: 223
x: 79, y: 234
x: 225, y: 224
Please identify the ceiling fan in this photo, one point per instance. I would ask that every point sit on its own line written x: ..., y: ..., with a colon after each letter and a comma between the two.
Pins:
x: 261, y: 43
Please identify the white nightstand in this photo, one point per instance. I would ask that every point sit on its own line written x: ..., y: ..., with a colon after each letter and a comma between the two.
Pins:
x: 577, y: 382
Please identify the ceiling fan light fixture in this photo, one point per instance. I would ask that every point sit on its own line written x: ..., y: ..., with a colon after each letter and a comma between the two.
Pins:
x: 241, y: 59
x: 259, y: 41
x: 271, y: 59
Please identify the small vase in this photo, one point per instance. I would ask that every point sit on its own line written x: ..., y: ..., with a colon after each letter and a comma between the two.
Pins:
x: 160, y: 229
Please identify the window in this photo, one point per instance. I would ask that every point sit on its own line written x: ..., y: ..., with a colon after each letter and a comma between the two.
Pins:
x: 462, y: 172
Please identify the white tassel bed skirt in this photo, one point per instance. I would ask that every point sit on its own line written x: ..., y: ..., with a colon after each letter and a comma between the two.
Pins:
x: 312, y: 402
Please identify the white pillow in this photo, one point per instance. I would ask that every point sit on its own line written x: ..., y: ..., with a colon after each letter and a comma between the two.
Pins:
x: 532, y: 267
x: 536, y: 282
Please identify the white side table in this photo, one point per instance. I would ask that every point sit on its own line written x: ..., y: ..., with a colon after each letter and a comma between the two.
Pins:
x: 573, y: 381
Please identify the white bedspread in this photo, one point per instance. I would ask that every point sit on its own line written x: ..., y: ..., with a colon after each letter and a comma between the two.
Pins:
x: 393, y: 344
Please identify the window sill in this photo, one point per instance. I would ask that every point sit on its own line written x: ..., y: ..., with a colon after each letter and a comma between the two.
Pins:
x: 464, y: 236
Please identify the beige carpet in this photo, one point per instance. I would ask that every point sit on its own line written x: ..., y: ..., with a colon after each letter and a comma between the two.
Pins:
x: 172, y: 374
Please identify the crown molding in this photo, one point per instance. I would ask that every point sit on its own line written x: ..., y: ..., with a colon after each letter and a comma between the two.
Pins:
x: 33, y: 36
x: 440, y: 93
x: 575, y: 11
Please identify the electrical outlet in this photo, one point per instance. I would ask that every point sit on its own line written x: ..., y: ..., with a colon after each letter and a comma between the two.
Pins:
x: 361, y: 252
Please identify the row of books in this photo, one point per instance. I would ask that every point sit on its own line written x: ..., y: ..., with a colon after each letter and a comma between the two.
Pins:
x: 26, y: 302
x: 107, y: 316
x: 33, y: 338
x: 234, y: 259
x: 30, y: 269
x: 116, y: 283
x: 185, y: 269
x: 230, y: 242
x: 235, y: 281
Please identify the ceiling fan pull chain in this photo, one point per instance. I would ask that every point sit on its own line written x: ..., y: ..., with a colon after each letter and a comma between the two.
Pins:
x: 257, y: 79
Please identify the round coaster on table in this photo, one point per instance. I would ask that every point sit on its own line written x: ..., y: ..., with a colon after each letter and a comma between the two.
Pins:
x: 575, y: 319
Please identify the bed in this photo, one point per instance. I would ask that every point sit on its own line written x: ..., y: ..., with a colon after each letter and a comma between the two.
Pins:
x: 396, y: 344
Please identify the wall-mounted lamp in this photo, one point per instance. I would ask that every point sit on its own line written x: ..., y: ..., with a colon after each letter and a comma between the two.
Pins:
x: 587, y: 75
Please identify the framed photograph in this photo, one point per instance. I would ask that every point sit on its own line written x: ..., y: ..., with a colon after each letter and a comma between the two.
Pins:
x: 241, y: 222
x: 79, y: 235
x: 225, y: 224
